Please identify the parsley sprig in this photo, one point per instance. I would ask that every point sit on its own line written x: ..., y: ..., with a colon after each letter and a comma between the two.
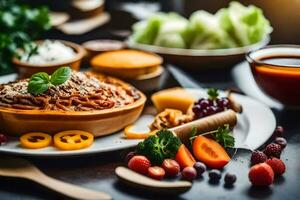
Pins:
x: 41, y: 81
x: 212, y: 93
x: 222, y: 135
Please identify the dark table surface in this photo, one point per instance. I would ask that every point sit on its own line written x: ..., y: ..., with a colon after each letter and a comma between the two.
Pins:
x: 97, y: 171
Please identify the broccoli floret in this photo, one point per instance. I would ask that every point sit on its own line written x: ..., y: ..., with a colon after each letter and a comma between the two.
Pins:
x: 157, y: 148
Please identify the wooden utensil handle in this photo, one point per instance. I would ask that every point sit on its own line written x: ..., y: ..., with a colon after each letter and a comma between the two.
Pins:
x: 68, y: 189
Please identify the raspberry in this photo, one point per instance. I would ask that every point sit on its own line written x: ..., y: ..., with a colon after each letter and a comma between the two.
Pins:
x: 261, y: 175
x: 139, y: 164
x: 258, y: 157
x: 273, y: 150
x: 277, y: 165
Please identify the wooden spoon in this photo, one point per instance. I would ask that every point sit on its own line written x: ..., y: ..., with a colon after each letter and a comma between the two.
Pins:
x: 17, y: 167
x: 137, y: 180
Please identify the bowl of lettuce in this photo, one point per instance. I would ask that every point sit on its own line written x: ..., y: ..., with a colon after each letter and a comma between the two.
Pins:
x: 204, y: 40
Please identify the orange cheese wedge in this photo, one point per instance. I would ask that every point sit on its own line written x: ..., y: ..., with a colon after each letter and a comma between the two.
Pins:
x: 173, y: 98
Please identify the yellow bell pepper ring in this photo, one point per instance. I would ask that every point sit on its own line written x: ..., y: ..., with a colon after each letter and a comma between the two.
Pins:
x: 131, y: 133
x: 73, y: 140
x: 35, y: 140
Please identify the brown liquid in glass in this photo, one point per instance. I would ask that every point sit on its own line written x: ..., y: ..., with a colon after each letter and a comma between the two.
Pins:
x: 279, y: 76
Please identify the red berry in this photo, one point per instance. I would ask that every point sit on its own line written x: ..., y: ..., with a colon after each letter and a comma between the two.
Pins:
x: 171, y: 167
x: 189, y: 173
x: 139, y: 164
x: 211, y: 110
x: 258, y: 157
x: 156, y: 172
x: 204, y: 103
x: 261, y: 175
x: 3, y: 139
x: 273, y: 150
x: 281, y: 141
x: 278, y: 132
x: 277, y: 165
x: 129, y: 156
x: 223, y: 103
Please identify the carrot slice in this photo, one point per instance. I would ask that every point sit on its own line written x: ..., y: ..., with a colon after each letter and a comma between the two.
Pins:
x: 184, y: 157
x: 210, y: 152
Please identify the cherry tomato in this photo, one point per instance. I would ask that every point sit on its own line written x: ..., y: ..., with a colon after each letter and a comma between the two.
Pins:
x: 171, y: 167
x: 156, y: 172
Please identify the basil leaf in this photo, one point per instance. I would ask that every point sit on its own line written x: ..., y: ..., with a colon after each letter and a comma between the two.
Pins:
x: 60, y: 76
x: 39, y: 83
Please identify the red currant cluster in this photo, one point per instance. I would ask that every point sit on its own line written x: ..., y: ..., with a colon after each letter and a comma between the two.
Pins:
x: 205, y: 107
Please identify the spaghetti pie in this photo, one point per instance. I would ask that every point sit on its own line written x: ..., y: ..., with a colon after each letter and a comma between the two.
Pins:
x: 82, y: 92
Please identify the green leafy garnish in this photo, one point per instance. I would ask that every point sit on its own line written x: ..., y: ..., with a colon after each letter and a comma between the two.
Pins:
x: 20, y: 25
x: 60, y: 76
x: 193, y: 132
x: 159, y: 147
x: 32, y: 49
x: 222, y: 135
x: 213, y: 93
x: 40, y: 82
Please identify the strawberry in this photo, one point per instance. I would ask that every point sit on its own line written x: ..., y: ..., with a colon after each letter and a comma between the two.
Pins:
x: 277, y: 165
x: 139, y: 164
x: 261, y: 175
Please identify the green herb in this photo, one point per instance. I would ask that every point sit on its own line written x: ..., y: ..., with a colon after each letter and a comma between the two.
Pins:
x: 222, y: 135
x: 193, y: 132
x: 32, y: 49
x: 40, y: 82
x: 60, y: 76
x: 159, y: 147
x: 20, y: 25
x: 213, y: 93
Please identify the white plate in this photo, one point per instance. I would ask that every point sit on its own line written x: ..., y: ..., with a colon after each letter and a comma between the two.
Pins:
x: 102, y: 144
x: 243, y: 77
x: 255, y: 126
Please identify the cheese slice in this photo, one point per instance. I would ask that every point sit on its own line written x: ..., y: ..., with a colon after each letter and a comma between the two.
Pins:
x: 173, y: 98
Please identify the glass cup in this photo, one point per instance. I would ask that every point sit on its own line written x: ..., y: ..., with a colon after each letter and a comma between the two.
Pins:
x: 276, y: 70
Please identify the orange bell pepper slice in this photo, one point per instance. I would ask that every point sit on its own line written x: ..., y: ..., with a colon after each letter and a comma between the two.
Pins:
x: 73, y: 140
x: 35, y: 140
x: 210, y: 152
x: 184, y: 157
